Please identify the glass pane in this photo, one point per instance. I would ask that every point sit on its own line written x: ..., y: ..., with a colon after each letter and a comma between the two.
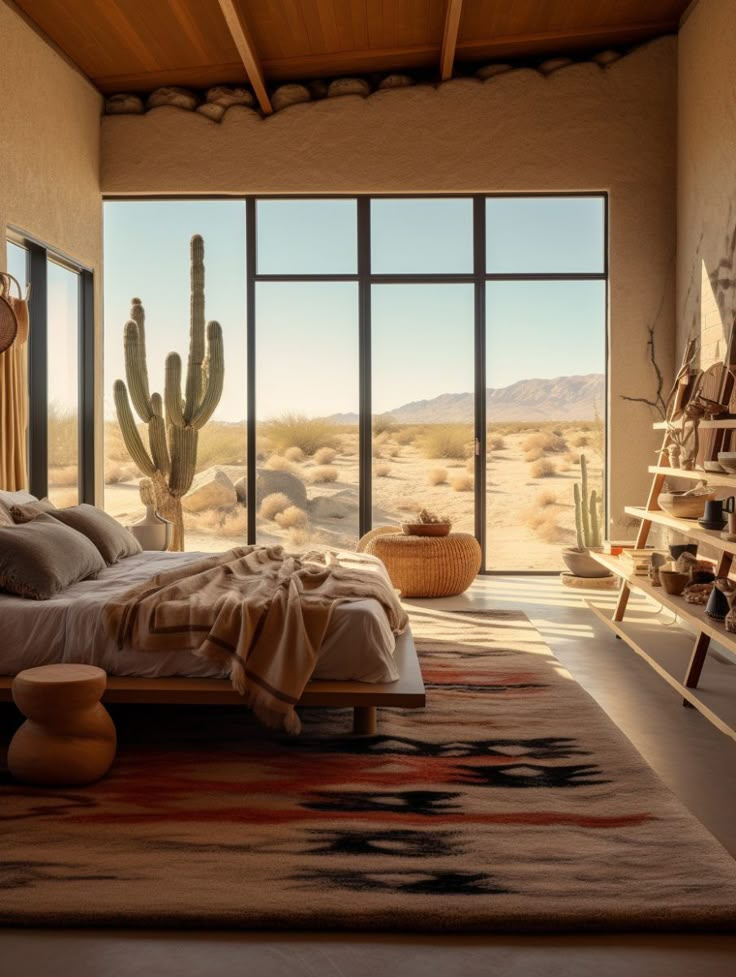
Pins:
x: 307, y: 410
x: 421, y: 236
x: 423, y: 404
x: 18, y: 263
x: 545, y: 234
x: 147, y: 255
x: 307, y: 237
x: 545, y: 406
x: 63, y: 385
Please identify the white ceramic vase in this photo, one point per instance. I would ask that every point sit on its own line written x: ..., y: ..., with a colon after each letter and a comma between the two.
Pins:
x: 153, y: 531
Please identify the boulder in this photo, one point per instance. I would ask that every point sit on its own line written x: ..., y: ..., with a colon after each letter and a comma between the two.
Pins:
x: 329, y: 507
x: 268, y: 482
x: 182, y: 98
x: 211, y: 489
x: 348, y: 86
x: 124, y: 105
x: 241, y: 490
x: 286, y: 95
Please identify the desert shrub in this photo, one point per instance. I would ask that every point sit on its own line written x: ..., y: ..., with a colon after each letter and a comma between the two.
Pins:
x: 220, y: 443
x: 292, y: 518
x: 294, y: 453
x: 572, y: 458
x: 462, y: 483
x: 393, y: 451
x: 544, y: 524
x: 63, y: 437
x: 497, y: 442
x: 543, y: 468
x: 405, y: 435
x: 298, y: 537
x: 325, y: 456
x: 383, y: 423
x: 470, y: 466
x: 297, y: 430
x: 277, y: 463
x: 114, y: 472
x: 273, y: 504
x: 63, y: 499
x: 437, y: 476
x: 546, y: 497
x: 382, y: 470
x: 64, y: 477
x: 543, y: 442
x: 324, y: 473
x: 447, y: 441
x: 581, y: 441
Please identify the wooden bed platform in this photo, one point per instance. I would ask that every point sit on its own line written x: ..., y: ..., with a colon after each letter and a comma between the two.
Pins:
x: 363, y: 697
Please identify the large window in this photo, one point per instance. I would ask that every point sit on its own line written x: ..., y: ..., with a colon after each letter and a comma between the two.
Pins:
x: 382, y: 355
x: 61, y: 370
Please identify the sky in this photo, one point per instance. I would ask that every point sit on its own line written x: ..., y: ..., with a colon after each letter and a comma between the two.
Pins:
x: 307, y: 333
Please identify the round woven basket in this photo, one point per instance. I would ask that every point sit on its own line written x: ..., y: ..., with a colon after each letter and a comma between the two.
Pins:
x: 427, y: 566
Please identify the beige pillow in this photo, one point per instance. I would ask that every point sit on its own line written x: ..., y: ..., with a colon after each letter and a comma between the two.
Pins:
x: 41, y: 558
x: 5, y: 517
x: 29, y: 510
x: 112, y: 540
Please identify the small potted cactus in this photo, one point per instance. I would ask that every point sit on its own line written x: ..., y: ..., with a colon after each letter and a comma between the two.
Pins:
x: 587, y: 529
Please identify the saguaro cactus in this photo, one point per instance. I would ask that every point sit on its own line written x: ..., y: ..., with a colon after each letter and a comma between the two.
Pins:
x: 587, y: 522
x: 174, y: 422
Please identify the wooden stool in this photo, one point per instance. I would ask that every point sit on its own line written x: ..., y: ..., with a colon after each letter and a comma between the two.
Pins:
x: 68, y: 736
x: 428, y: 566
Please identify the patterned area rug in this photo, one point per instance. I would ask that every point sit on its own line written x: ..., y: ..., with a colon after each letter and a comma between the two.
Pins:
x: 511, y: 803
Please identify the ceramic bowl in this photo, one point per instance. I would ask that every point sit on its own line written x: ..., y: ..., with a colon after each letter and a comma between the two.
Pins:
x: 713, y: 466
x: 683, y: 506
x: 673, y: 582
x: 727, y: 460
x: 426, y: 528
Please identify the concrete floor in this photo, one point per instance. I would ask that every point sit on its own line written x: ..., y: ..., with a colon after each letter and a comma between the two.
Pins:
x: 696, y: 761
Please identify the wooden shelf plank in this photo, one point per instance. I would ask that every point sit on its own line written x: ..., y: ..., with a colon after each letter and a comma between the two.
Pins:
x: 724, y: 425
x: 692, y: 614
x: 697, y: 475
x: 688, y: 527
x: 667, y: 651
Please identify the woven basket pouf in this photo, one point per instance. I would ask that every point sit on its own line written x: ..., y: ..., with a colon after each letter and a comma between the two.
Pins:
x: 428, y: 566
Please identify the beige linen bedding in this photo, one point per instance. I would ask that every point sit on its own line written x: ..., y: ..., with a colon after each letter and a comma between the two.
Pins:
x: 258, y: 612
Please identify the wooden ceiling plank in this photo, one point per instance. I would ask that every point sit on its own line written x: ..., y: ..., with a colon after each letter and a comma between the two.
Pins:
x: 241, y: 35
x: 449, y: 37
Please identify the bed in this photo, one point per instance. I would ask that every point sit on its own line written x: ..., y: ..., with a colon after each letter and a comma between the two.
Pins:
x: 362, y: 665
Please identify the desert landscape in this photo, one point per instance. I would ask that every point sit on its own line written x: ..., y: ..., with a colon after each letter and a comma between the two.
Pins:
x: 423, y: 457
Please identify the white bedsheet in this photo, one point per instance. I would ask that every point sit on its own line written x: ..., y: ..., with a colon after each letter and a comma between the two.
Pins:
x: 359, y: 645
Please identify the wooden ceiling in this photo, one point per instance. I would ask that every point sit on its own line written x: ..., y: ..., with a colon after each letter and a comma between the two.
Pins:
x: 138, y: 45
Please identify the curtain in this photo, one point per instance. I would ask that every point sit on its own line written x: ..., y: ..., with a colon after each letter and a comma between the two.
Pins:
x: 14, y: 417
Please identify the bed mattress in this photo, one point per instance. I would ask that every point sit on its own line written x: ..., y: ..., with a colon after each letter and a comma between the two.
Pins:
x: 359, y: 645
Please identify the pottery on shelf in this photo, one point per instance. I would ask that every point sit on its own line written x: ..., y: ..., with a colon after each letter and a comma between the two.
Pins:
x: 713, y: 466
x: 153, y: 532
x: 683, y: 505
x: 673, y: 582
x: 581, y: 564
x: 727, y: 461
x: 677, y: 549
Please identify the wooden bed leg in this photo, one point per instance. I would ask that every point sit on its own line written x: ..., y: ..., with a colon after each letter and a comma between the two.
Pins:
x: 364, y: 720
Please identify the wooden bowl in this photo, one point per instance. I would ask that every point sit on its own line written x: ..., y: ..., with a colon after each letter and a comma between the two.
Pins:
x: 673, y: 582
x: 426, y: 528
x: 727, y: 461
x: 684, y: 506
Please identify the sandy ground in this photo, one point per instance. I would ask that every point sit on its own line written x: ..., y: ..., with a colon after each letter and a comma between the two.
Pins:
x: 529, y: 516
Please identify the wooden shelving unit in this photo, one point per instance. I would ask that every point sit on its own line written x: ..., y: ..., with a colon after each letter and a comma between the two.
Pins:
x: 682, y: 649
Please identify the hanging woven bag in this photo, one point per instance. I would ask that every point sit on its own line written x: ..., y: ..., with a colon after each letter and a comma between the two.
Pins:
x: 18, y: 304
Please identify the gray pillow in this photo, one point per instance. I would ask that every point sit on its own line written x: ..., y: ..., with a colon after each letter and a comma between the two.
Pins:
x: 40, y: 558
x: 112, y: 540
x: 29, y: 510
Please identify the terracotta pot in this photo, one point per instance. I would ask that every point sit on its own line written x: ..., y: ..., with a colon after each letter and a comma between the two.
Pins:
x: 581, y: 564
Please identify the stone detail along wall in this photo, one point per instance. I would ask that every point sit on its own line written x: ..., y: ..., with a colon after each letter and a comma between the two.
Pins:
x: 215, y: 101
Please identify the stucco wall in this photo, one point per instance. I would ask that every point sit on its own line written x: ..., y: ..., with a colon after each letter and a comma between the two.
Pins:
x: 706, y: 266
x: 49, y: 149
x: 584, y: 127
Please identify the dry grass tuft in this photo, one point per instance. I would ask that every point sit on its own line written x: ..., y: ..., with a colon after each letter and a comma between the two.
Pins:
x: 437, y: 476
x: 543, y: 522
x: 298, y: 537
x: 294, y: 453
x: 277, y: 463
x: 541, y: 443
x: 325, y: 456
x: 462, y: 483
x: 292, y: 518
x: 382, y: 470
x: 546, y: 497
x: 543, y: 468
x: 581, y: 441
x: 324, y: 473
x: 64, y: 477
x: 297, y: 430
x: 497, y: 442
x: 448, y: 441
x: 273, y: 504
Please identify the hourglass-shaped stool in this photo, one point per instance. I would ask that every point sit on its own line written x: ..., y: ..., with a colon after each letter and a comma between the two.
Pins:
x: 68, y: 736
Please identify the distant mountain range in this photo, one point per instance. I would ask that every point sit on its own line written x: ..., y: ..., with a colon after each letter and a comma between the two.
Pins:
x: 576, y: 398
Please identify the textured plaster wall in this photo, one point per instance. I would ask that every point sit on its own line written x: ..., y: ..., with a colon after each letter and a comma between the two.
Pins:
x: 583, y: 127
x: 706, y: 266
x: 49, y: 149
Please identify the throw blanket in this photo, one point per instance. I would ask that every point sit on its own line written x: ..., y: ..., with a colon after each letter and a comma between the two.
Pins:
x: 257, y: 612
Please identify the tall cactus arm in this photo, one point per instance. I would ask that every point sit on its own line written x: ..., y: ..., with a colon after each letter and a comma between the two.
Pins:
x: 193, y: 392
x: 214, y: 376
x: 584, y: 498
x: 129, y: 431
x: 172, y: 391
x: 157, y: 442
x: 578, y: 517
x: 183, y: 441
x: 136, y: 371
x: 595, y: 526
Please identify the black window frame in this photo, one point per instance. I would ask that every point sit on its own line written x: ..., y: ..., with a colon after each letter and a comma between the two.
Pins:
x: 39, y: 255
x: 365, y: 279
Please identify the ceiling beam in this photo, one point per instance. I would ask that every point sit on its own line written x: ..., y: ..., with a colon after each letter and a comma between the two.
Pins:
x: 449, y: 37
x: 238, y: 28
